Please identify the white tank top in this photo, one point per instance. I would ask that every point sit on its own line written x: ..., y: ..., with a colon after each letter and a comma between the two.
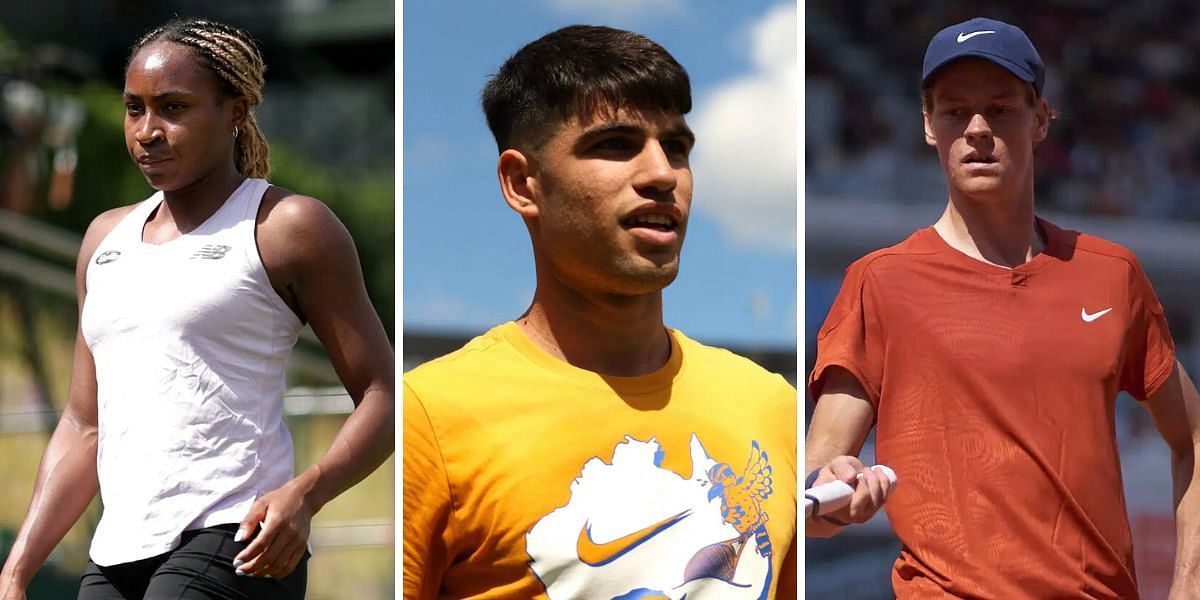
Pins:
x: 190, y: 342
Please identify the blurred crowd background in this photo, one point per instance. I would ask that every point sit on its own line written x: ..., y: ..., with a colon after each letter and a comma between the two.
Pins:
x: 328, y: 114
x: 1122, y: 161
x: 1123, y: 75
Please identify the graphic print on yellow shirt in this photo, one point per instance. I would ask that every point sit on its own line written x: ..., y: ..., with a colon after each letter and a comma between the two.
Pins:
x: 526, y: 477
x: 630, y: 520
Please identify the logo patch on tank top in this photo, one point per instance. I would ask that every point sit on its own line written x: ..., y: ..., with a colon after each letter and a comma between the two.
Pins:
x: 211, y: 252
x: 108, y: 256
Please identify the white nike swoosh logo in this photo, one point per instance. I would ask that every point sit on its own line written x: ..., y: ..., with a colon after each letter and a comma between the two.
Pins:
x: 1083, y: 314
x: 962, y: 37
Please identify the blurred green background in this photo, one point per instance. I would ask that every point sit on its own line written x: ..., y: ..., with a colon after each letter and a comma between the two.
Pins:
x: 328, y: 113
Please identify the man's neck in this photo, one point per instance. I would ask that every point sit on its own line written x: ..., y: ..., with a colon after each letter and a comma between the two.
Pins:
x: 604, y: 333
x: 1003, y: 234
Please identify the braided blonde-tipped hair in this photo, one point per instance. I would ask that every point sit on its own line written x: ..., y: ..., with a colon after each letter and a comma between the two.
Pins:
x: 231, y: 55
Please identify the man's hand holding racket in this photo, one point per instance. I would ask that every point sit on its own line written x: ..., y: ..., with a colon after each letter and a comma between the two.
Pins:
x: 871, y: 487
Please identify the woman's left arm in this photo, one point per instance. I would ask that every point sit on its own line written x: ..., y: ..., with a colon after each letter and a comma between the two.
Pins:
x: 313, y: 264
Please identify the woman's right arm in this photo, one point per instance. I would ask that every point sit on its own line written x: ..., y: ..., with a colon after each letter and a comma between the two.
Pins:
x: 66, y: 479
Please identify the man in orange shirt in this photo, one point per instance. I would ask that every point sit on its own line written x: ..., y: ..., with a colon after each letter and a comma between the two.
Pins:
x: 988, y: 350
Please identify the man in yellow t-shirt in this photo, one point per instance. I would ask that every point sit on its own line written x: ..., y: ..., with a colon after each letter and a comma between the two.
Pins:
x: 585, y: 450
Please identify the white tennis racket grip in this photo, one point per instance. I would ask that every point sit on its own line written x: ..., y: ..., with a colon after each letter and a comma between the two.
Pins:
x: 835, y: 495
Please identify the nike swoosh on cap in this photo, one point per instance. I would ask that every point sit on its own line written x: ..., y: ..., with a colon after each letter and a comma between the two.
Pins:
x: 596, y: 555
x: 962, y: 37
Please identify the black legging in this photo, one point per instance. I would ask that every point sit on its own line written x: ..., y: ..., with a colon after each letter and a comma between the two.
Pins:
x: 201, y: 568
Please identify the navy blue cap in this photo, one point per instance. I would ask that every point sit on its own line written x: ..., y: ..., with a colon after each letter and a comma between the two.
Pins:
x: 999, y: 42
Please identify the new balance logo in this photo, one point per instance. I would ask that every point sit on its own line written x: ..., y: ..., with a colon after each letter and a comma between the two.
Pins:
x: 211, y: 252
x: 108, y: 256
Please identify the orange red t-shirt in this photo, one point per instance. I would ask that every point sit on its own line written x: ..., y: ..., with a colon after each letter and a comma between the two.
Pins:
x: 994, y: 393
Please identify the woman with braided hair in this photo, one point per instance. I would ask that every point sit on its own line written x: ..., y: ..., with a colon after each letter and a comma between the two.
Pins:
x: 190, y: 303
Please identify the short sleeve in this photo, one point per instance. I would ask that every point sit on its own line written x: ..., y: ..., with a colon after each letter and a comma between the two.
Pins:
x: 427, y: 504
x: 851, y: 337
x: 1149, y: 349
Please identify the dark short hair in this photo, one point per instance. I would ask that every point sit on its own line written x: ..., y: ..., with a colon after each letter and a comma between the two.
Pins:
x: 578, y: 71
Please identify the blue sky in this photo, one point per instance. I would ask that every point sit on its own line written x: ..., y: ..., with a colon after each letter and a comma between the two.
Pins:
x: 467, y: 260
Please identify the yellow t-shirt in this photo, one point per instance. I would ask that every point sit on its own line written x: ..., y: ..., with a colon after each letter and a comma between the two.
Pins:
x: 525, y: 477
